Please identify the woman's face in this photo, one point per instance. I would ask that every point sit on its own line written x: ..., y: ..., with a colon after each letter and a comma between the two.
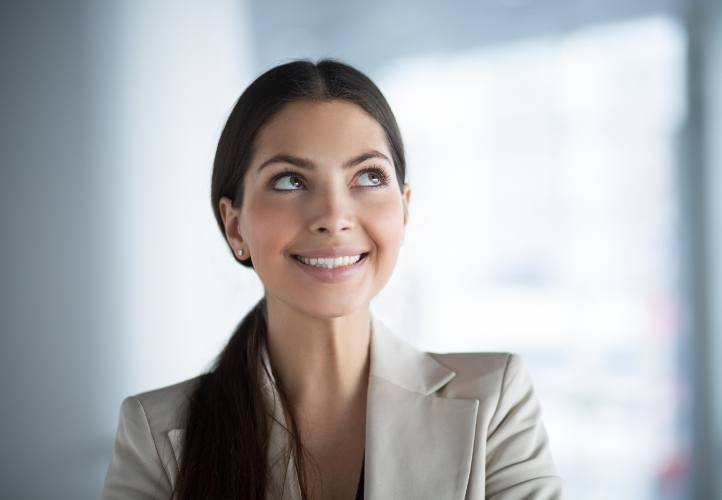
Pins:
x: 330, y: 204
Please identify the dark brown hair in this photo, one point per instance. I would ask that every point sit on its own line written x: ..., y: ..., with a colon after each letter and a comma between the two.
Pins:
x: 227, y: 422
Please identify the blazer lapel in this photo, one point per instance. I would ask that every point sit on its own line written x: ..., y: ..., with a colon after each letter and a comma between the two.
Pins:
x: 418, y: 445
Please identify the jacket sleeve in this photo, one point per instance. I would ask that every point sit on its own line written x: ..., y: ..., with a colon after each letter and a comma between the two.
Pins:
x: 135, y: 471
x: 519, y: 463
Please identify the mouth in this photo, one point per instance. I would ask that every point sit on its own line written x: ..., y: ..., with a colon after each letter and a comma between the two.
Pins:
x: 332, y: 270
x: 361, y: 259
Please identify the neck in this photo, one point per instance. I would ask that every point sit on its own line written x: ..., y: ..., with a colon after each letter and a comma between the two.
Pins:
x: 319, y: 360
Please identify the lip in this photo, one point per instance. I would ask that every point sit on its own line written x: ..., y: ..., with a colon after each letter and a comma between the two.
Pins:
x: 333, y: 275
x: 332, y: 252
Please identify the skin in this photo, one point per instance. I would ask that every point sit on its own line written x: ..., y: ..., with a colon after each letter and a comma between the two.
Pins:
x: 319, y: 333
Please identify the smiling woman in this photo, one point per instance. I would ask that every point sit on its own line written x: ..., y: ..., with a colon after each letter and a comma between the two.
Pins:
x: 313, y: 396
x: 338, y: 195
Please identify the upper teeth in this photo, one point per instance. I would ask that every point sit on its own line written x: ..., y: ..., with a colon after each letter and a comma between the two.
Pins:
x: 331, y: 263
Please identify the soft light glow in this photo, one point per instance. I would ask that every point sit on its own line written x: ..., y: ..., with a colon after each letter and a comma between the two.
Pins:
x: 544, y: 222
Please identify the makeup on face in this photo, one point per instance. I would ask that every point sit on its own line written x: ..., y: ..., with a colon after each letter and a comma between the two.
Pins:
x: 323, y: 215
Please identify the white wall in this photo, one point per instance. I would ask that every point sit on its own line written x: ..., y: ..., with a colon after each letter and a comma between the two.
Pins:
x: 114, y: 277
x: 181, y: 67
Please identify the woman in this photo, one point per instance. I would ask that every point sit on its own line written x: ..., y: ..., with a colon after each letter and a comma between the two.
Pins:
x: 314, y: 397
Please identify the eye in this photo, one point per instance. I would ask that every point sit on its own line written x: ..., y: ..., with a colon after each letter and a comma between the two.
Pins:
x: 376, y: 176
x: 289, y: 179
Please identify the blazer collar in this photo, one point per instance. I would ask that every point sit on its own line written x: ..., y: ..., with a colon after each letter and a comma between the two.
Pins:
x: 399, y: 363
x: 418, y: 445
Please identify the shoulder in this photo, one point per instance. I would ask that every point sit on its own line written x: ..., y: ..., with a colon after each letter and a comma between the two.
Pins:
x: 161, y: 408
x: 143, y: 462
x: 518, y: 462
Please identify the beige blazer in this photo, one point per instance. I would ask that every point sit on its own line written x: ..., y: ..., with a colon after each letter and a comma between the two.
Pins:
x: 449, y: 426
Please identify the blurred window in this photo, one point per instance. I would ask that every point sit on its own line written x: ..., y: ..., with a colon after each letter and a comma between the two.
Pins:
x: 544, y: 221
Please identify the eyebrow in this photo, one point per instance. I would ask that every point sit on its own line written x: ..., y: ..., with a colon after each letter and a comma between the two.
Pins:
x: 308, y: 164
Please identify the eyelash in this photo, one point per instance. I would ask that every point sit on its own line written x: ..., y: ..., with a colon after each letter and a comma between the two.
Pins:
x: 376, y: 170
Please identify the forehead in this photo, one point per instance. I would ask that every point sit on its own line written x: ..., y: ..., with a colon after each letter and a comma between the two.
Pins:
x: 318, y: 129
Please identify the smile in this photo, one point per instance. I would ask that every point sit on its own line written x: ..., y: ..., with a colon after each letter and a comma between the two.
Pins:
x: 331, y: 262
x: 332, y: 270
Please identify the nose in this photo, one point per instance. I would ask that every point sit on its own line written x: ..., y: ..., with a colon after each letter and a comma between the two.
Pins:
x: 332, y: 212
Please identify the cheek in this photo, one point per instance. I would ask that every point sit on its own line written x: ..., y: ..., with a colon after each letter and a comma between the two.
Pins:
x: 387, y: 221
x: 259, y: 217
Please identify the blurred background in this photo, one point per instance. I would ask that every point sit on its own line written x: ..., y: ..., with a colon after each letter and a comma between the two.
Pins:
x: 567, y: 171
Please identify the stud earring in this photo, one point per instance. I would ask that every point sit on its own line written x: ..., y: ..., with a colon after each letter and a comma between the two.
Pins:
x: 240, y: 251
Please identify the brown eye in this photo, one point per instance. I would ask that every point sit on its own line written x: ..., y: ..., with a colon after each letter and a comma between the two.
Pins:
x: 282, y: 182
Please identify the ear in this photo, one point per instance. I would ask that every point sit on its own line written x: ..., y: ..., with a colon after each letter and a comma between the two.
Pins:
x: 231, y: 217
x: 407, y: 200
